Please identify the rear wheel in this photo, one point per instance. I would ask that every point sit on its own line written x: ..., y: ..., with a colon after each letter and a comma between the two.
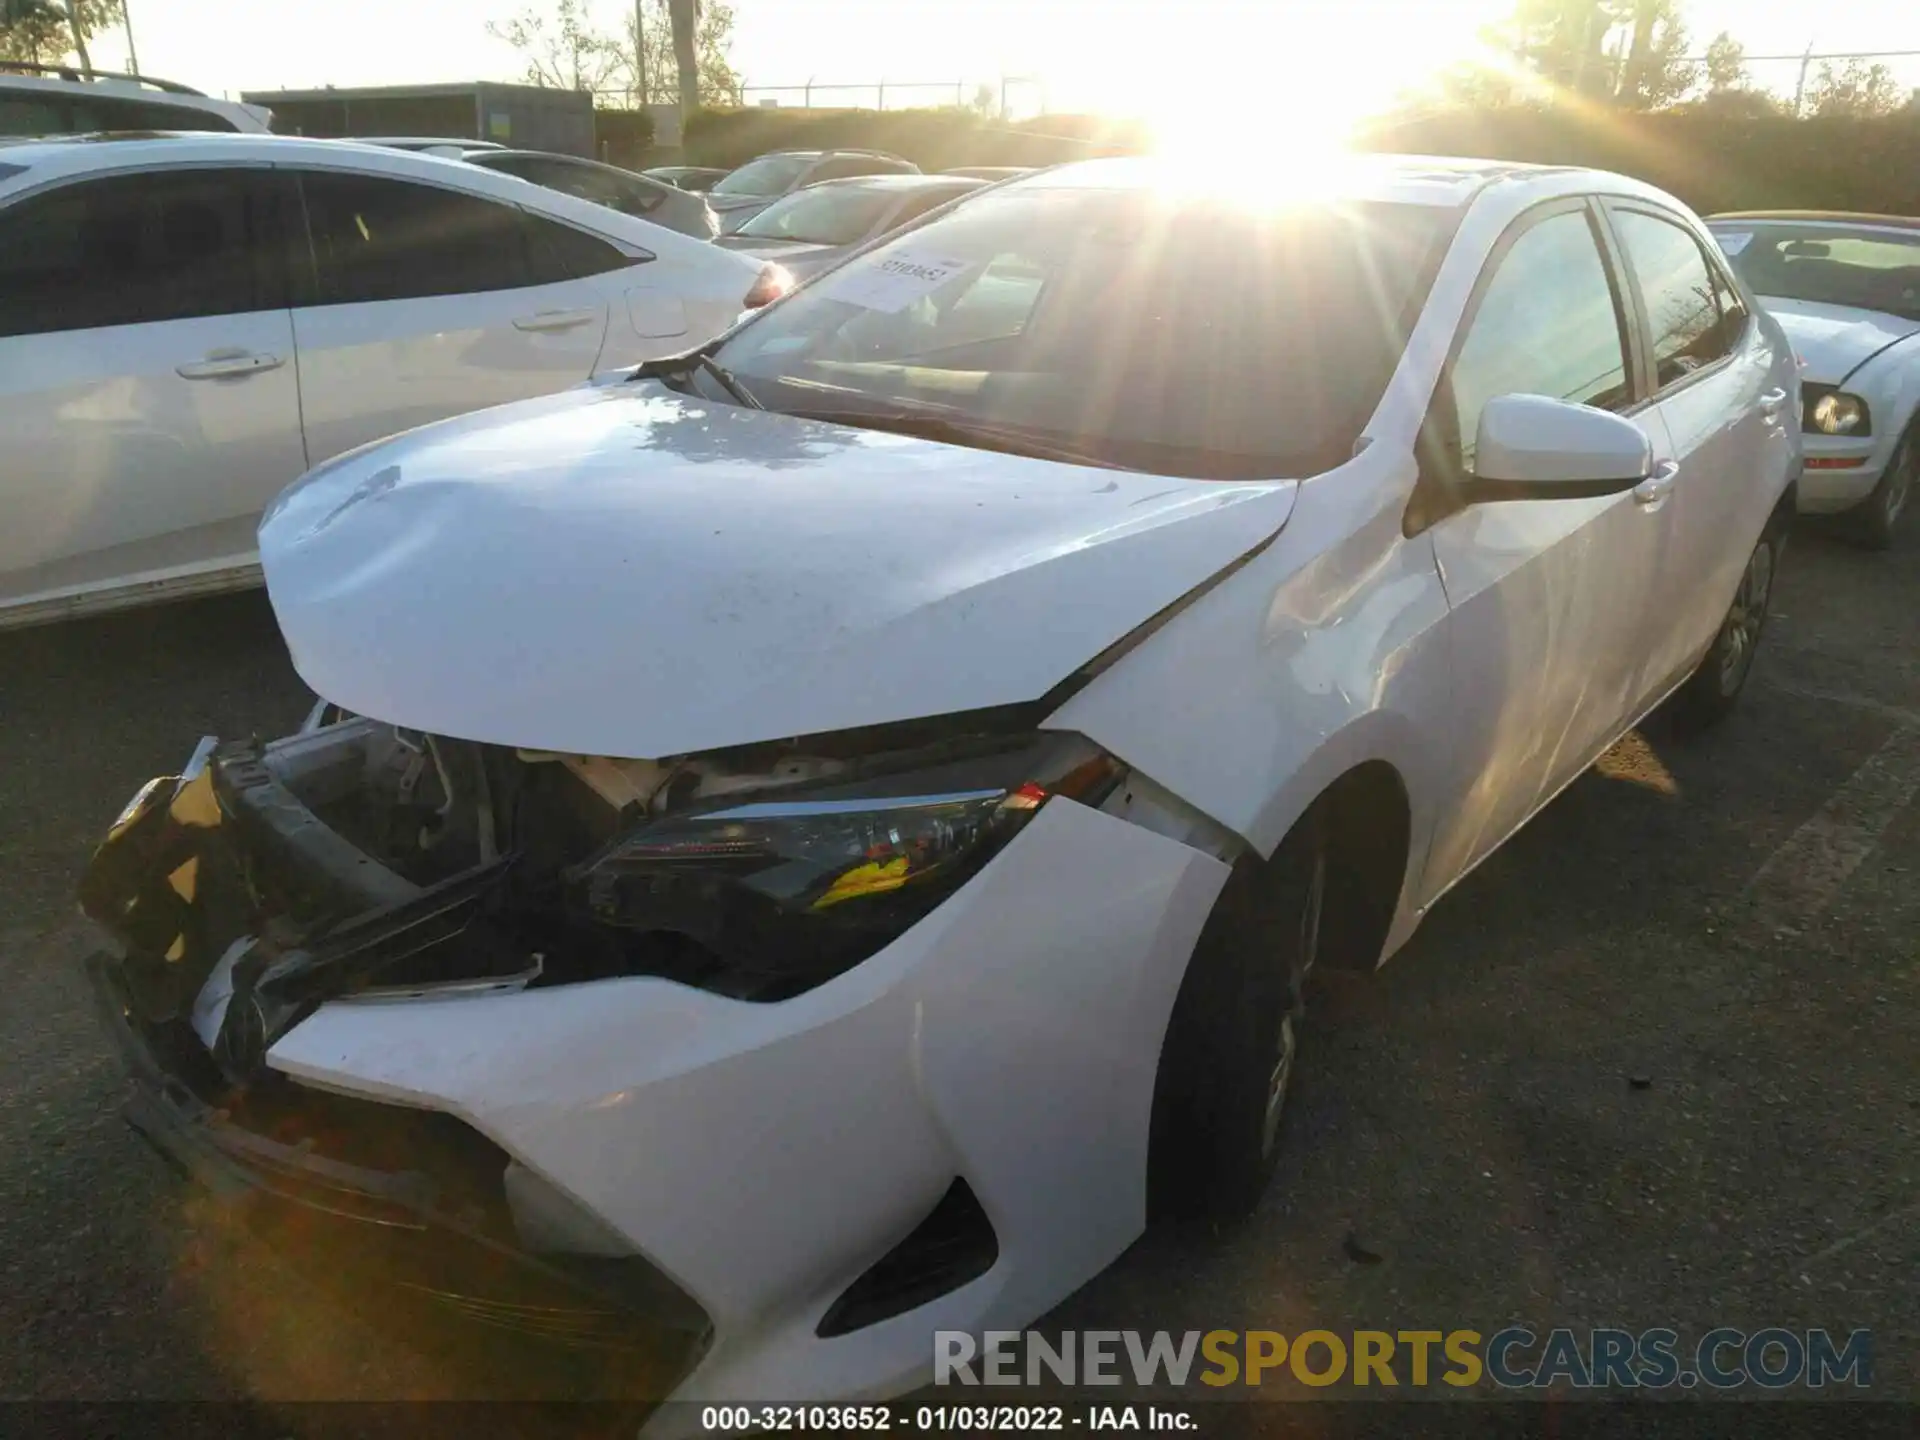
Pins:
x: 1233, y: 1044
x: 1871, y: 522
x: 1715, y: 687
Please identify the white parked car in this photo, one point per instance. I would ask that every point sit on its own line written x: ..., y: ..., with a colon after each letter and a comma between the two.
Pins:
x: 809, y: 844
x: 188, y: 322
x: 1847, y: 290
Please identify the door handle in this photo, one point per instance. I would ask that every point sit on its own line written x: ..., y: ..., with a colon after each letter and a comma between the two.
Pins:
x: 556, y: 320
x: 1772, y: 402
x: 224, y: 365
x: 1657, y: 486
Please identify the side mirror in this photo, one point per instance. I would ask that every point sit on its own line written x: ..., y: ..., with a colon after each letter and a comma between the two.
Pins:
x: 1529, y: 447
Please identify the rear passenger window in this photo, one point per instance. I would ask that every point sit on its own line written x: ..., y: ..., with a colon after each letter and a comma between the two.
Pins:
x: 108, y: 112
x: 1687, y: 302
x: 32, y: 115
x: 379, y: 239
x: 1548, y: 323
x: 848, y: 166
x: 585, y: 183
x: 921, y: 204
x: 561, y: 252
x: 138, y: 249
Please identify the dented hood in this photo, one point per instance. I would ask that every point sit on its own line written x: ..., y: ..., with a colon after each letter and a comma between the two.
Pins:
x: 626, y: 571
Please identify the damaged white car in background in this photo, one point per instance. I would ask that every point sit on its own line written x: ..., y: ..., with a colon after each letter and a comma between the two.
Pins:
x: 810, y: 843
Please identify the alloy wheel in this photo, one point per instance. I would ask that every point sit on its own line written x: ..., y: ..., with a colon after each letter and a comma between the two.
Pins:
x: 1741, y: 636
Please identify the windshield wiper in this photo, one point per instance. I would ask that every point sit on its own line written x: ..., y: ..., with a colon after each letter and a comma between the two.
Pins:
x: 693, y: 360
x: 951, y: 427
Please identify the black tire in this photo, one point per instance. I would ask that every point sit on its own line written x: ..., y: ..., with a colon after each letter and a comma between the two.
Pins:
x: 1714, y: 689
x: 1871, y: 522
x: 1232, y: 1046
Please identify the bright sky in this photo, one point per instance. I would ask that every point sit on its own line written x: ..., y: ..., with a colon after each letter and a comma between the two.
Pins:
x: 1141, y: 57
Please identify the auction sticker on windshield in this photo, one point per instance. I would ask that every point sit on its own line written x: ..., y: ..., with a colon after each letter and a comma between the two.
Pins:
x: 1733, y: 243
x: 892, y: 284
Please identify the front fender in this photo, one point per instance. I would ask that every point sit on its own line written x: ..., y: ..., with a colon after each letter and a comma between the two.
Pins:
x: 1325, y: 651
x: 1890, y: 384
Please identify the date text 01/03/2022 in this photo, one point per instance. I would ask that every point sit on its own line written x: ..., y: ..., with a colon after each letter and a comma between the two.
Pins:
x: 936, y: 1418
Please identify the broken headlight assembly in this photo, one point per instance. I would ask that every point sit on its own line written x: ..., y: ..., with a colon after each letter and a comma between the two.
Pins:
x: 786, y: 893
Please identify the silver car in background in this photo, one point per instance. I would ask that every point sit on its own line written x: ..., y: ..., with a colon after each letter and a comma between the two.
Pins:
x: 815, y: 228
x: 1847, y: 290
x: 741, y: 194
x: 606, y: 185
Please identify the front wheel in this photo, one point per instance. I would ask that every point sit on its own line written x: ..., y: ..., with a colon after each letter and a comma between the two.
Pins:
x: 1233, y: 1043
x: 1871, y: 521
x: 1712, y: 691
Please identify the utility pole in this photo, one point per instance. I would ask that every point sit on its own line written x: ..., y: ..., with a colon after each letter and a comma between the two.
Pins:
x: 1800, y: 88
x: 126, y: 21
x: 639, y: 52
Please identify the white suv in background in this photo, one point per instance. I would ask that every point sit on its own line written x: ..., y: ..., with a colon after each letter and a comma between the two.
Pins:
x: 189, y: 322
x: 65, y: 100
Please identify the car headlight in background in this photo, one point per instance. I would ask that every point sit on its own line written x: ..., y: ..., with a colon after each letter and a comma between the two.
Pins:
x: 1834, y: 412
x: 786, y: 893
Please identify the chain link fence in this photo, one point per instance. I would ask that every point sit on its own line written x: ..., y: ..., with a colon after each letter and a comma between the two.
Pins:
x: 1006, y: 97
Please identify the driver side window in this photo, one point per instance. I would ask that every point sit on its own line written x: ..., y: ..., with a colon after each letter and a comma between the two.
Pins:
x: 1548, y: 323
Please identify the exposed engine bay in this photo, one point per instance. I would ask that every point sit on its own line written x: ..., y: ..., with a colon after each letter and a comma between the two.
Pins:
x: 359, y: 860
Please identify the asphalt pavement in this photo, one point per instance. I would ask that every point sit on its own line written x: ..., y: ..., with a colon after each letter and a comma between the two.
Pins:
x: 1656, y: 1063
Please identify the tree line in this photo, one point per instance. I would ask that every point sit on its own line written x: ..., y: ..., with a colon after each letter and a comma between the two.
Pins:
x: 47, y: 32
x: 1637, y: 55
x: 1629, y: 54
x: 669, y: 50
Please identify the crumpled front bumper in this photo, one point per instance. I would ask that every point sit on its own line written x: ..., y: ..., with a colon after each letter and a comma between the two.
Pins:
x: 404, y: 1204
x: 758, y: 1164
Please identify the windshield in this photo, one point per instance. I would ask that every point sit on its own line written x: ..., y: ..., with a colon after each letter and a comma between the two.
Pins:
x: 769, y: 175
x: 1189, y: 338
x: 830, y: 215
x: 1864, y: 268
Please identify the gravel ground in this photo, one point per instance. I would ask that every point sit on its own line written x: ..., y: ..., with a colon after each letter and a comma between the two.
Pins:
x: 1613, y: 1081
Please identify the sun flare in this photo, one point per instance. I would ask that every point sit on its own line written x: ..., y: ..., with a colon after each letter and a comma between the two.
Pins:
x: 1273, y: 80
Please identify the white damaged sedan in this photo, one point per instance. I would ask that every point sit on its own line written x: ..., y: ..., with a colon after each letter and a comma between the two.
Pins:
x: 811, y: 843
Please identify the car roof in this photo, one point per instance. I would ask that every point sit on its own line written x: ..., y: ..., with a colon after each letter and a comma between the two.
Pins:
x: 894, y: 182
x: 1439, y: 180
x: 1818, y: 217
x: 832, y: 150
x: 28, y: 163
x: 408, y: 142
x: 72, y: 80
x: 500, y: 152
x: 61, y: 154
